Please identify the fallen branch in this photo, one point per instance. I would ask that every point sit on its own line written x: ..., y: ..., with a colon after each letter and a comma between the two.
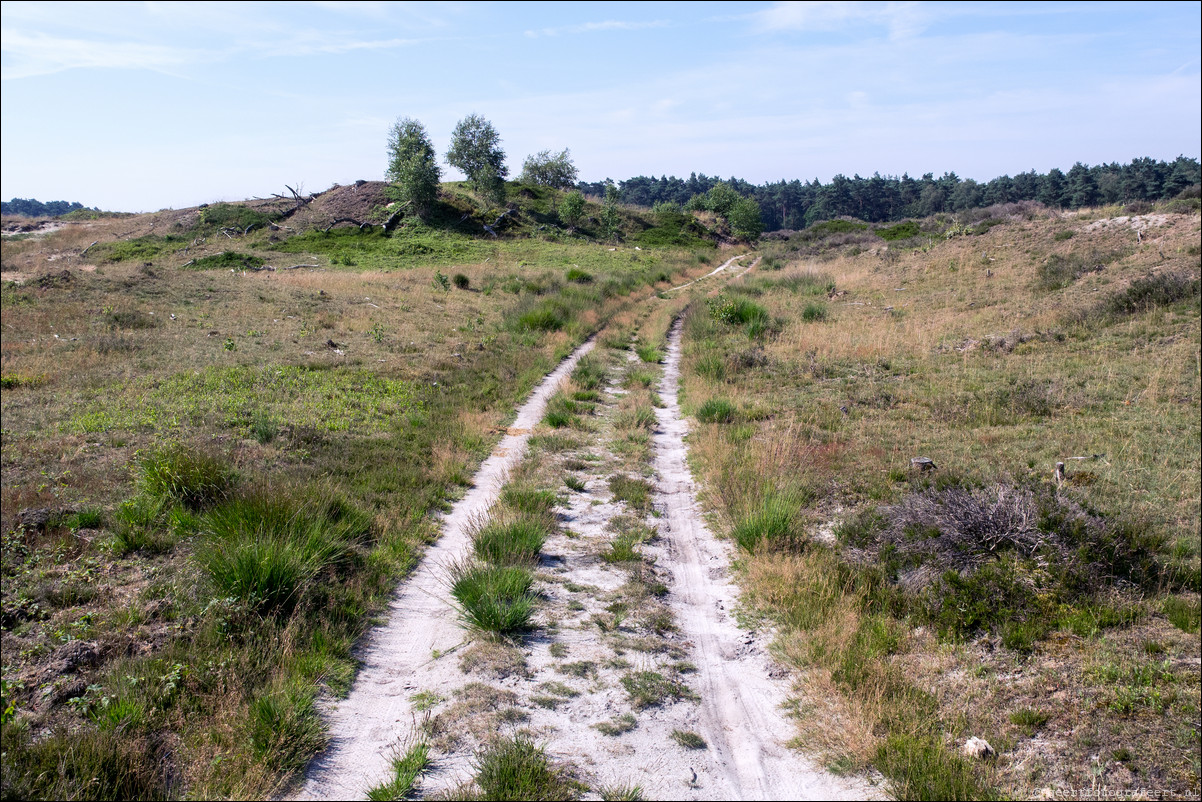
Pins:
x: 298, y: 267
x: 362, y: 226
x: 85, y: 250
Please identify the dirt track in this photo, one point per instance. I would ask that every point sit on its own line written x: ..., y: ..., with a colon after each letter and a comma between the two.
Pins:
x: 598, y: 629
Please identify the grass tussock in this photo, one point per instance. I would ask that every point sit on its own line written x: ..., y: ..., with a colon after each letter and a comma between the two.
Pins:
x: 494, y: 599
x: 517, y: 768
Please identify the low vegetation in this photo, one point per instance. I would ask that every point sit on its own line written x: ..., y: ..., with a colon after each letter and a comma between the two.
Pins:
x: 884, y: 451
x: 223, y: 445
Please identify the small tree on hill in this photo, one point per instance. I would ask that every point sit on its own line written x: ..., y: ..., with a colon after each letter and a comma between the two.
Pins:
x: 610, y: 220
x: 412, y: 165
x: 476, y: 152
x: 548, y: 169
x: 745, y: 220
x: 572, y: 208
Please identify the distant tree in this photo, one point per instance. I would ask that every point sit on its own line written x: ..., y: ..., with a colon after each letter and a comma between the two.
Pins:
x: 610, y: 220
x: 572, y: 208
x: 412, y: 164
x: 1081, y: 187
x: 745, y: 220
x: 548, y: 169
x: 721, y: 198
x: 476, y: 152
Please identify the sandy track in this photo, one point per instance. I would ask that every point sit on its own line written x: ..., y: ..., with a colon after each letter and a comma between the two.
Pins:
x: 400, y: 657
x: 741, y: 714
x: 719, y: 269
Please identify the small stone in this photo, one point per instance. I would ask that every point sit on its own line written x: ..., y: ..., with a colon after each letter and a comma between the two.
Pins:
x: 923, y: 463
x: 978, y: 748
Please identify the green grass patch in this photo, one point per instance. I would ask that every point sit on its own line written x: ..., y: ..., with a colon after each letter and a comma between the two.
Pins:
x: 919, y: 767
x: 688, y: 739
x: 652, y: 689
x: 405, y: 769
x: 226, y: 260
x: 494, y: 599
x: 516, y: 768
x: 634, y: 491
x: 617, y: 726
x: 900, y: 231
x: 513, y: 541
x: 769, y: 522
x: 716, y: 410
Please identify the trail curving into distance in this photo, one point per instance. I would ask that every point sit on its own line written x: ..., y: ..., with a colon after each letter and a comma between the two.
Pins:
x: 400, y: 657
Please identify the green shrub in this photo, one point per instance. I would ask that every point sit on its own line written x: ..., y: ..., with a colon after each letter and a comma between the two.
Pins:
x: 575, y: 274
x: 226, y: 260
x: 461, y: 281
x: 900, y: 231
x: 1158, y: 289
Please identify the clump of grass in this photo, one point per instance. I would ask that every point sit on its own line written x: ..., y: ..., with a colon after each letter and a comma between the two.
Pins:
x: 511, y: 541
x: 623, y: 548
x: 1185, y: 614
x: 88, y: 763
x: 589, y: 373
x: 617, y: 726
x: 284, y: 727
x: 716, y: 410
x: 640, y: 417
x: 187, y: 476
x: 406, y: 769
x: 495, y: 599
x: 688, y: 739
x: 1060, y: 270
x: 921, y: 768
x: 770, y: 521
x: 518, y: 769
x: 574, y: 483
x: 226, y: 260
x: 649, y: 353
x: 635, y: 492
x: 651, y: 689
x: 132, y: 319
x: 528, y: 499
x: 621, y: 793
x: 638, y: 378
x: 266, y: 548
x: 814, y: 313
x: 579, y: 276
x: 461, y: 281
x: 1029, y: 718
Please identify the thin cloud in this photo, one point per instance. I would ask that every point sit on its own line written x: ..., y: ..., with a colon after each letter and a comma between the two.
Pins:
x: 902, y: 20
x: 592, y: 27
x: 29, y: 55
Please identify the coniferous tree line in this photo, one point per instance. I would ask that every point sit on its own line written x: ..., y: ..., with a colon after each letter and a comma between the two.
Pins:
x: 35, y: 208
x: 796, y: 204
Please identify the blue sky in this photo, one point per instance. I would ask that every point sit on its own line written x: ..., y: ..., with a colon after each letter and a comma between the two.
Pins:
x: 141, y: 106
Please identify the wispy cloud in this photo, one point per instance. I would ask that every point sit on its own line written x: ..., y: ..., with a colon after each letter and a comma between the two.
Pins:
x: 902, y: 20
x: 27, y: 55
x: 592, y: 27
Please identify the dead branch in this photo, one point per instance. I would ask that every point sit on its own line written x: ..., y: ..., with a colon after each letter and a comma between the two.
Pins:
x: 85, y: 250
x: 362, y: 226
x: 298, y: 267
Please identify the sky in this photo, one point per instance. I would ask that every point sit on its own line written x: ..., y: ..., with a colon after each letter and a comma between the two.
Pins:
x: 143, y: 106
